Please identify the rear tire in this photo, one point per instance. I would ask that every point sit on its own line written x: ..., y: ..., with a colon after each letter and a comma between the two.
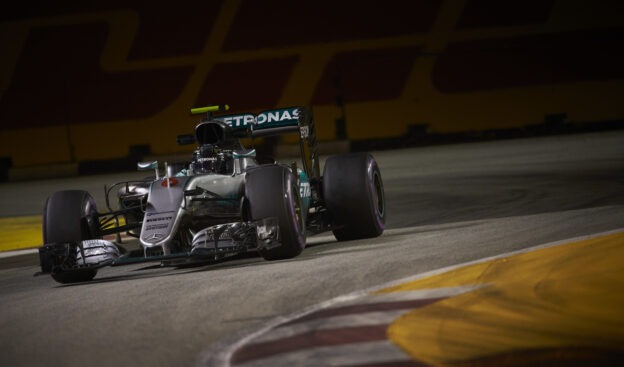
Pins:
x: 354, y: 196
x: 272, y: 191
x: 70, y: 216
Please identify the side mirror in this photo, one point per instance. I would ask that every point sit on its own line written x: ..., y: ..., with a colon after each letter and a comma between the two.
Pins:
x: 146, y: 166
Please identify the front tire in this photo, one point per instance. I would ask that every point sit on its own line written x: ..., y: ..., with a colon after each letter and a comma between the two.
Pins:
x: 70, y: 216
x: 354, y: 196
x: 272, y: 191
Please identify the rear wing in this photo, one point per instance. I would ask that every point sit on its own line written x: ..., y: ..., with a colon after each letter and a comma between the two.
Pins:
x: 271, y: 122
x: 274, y: 122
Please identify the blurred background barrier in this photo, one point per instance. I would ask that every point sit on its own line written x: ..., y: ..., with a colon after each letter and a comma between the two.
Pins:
x: 96, y: 86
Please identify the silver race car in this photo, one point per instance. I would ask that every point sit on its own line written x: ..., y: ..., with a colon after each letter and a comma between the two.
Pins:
x: 221, y: 203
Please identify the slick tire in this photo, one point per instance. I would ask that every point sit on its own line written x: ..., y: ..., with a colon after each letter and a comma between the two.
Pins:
x: 272, y: 191
x: 70, y: 216
x: 354, y: 196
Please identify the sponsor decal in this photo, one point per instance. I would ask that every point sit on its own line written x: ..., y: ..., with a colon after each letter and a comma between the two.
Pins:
x: 154, y: 237
x: 265, y: 119
x: 304, y: 132
x: 156, y: 227
x: 304, y: 190
x: 159, y: 219
x: 238, y: 120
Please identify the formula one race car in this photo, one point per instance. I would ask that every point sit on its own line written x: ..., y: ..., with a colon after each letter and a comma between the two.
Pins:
x: 221, y: 203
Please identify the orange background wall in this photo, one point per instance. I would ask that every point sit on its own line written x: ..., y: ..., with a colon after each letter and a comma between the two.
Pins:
x: 86, y: 80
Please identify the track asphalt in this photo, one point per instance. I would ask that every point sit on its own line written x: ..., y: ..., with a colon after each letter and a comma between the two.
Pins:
x: 552, y: 305
x: 557, y: 304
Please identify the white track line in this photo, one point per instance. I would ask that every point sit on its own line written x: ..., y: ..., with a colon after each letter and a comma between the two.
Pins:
x: 18, y: 252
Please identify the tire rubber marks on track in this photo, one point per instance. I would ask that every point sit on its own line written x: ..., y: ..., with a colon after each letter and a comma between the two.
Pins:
x: 352, y: 331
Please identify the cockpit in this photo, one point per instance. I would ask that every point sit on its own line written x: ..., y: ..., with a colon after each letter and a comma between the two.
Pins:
x: 211, y: 159
x: 218, y: 152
